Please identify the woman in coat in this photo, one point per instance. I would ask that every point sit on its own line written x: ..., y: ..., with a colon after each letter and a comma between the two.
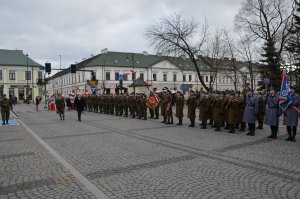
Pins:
x: 273, y: 112
x: 292, y: 115
x: 79, y: 103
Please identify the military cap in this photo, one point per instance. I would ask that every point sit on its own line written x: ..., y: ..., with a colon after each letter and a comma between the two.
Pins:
x: 191, y: 91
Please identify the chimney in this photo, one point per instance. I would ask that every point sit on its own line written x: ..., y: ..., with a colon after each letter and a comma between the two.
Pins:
x: 83, y: 59
x: 145, y: 53
x: 159, y: 54
x: 91, y: 55
x: 104, y: 51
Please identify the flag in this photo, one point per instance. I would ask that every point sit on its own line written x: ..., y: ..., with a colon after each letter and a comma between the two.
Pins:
x: 152, y: 102
x: 285, y: 98
x: 132, y: 71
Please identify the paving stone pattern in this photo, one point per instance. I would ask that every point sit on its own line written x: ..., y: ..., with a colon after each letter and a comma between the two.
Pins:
x: 131, y: 158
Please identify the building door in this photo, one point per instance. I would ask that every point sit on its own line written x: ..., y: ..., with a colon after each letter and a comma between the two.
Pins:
x: 11, y: 92
x: 21, y: 93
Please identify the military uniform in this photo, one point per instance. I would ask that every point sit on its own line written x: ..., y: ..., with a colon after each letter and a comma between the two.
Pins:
x: 5, y: 104
x: 241, y: 109
x: 218, y: 112
x: 204, y: 103
x: 272, y: 114
x: 251, y: 110
x: 192, y: 105
x: 168, y: 108
x: 162, y: 107
x: 292, y: 116
x: 60, y: 106
x: 179, y: 107
x: 261, y: 112
x: 233, y: 112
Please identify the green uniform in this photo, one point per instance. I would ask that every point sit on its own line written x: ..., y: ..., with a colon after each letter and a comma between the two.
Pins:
x: 204, y: 110
x: 5, y: 110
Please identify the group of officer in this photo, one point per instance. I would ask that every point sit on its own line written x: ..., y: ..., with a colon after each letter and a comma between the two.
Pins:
x: 231, y: 110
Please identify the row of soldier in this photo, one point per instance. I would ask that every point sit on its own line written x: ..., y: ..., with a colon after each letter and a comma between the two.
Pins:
x: 219, y: 109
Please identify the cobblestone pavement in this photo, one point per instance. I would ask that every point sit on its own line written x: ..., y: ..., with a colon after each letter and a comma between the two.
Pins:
x: 131, y: 158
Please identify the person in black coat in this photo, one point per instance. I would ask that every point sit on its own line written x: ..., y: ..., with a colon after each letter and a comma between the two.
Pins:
x: 79, y: 103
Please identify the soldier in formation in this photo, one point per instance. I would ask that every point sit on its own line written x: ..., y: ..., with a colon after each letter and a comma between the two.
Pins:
x: 5, y: 109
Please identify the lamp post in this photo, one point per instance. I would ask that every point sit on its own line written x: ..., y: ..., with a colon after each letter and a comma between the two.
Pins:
x: 132, y: 58
x: 61, y: 75
x: 27, y: 79
x: 32, y: 91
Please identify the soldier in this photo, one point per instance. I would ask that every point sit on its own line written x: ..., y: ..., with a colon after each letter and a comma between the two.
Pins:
x: 138, y: 106
x: 162, y: 107
x: 132, y: 104
x: 79, y: 102
x: 261, y: 111
x: 273, y: 113
x: 204, y: 103
x: 5, y: 109
x: 60, y: 106
x: 84, y: 97
x: 100, y: 104
x: 151, y: 110
x: 241, y: 109
x: 211, y: 101
x: 192, y: 105
x: 251, y: 111
x: 168, y: 107
x: 218, y: 111
x: 292, y: 115
x: 225, y: 114
x: 144, y: 106
x: 126, y: 104
x: 233, y: 112
x: 156, y: 111
x: 179, y: 107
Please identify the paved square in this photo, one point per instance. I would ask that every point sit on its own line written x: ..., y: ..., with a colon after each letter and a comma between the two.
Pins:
x: 117, y: 157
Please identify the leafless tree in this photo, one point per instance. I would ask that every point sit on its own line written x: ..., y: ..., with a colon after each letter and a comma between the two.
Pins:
x: 176, y: 35
x: 268, y: 20
x: 247, y: 52
x: 214, y: 51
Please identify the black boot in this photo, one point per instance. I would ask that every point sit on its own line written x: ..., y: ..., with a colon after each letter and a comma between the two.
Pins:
x: 203, y: 126
x: 164, y: 121
x: 6, y: 121
x: 192, y: 123
x: 275, y: 133
x: 168, y: 121
x: 171, y: 120
x: 63, y: 117
x: 218, y: 128
x: 179, y: 122
x: 294, y: 133
x: 272, y: 132
x: 232, y: 130
x: 3, y: 123
x: 242, y: 129
x: 289, y: 128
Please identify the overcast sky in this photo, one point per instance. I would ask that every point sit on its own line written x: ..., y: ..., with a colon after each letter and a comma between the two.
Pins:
x: 75, y: 29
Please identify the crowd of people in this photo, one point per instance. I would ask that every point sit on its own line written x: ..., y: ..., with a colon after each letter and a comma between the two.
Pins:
x: 228, y: 110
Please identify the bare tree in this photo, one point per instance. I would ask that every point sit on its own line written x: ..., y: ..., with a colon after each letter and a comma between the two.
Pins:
x: 214, y: 51
x: 178, y: 36
x: 271, y: 22
x: 247, y: 51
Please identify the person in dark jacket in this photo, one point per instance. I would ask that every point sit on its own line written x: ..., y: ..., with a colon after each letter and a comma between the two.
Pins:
x: 273, y: 112
x: 251, y: 111
x: 192, y: 105
x: 79, y: 103
x: 5, y: 110
x: 292, y: 115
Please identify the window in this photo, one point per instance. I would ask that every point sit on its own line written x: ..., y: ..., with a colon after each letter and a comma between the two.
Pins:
x: 174, y: 77
x: 79, y: 78
x: 133, y: 76
x: 165, y: 78
x: 154, y: 77
x: 220, y: 80
x: 27, y: 75
x: 116, y: 76
x: 190, y: 78
x: 107, y: 75
x: 75, y: 79
x: 12, y: 75
x: 184, y: 78
x: 206, y: 78
x: 0, y: 74
x: 142, y: 76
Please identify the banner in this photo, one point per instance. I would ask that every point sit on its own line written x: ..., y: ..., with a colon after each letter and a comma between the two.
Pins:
x: 152, y: 102
x: 285, y: 98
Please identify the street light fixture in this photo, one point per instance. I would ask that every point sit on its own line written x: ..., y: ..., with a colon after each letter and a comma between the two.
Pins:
x: 27, y: 79
x: 133, y: 73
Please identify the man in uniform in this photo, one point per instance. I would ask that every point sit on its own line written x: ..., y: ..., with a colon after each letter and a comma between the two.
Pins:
x: 5, y: 109
x: 60, y: 106
x: 292, y: 115
x: 251, y: 111
x: 162, y: 106
x: 126, y: 104
x: 204, y: 103
x: 218, y: 111
x: 261, y: 111
x: 179, y: 107
x: 168, y: 107
x: 241, y: 109
x: 151, y: 111
x: 144, y: 106
x: 192, y: 105
x: 156, y: 111
x: 233, y: 111
x: 273, y: 112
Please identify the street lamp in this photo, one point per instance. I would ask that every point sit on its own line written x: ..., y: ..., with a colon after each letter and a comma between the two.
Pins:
x: 32, y: 91
x: 61, y: 75
x: 27, y: 78
x: 133, y: 78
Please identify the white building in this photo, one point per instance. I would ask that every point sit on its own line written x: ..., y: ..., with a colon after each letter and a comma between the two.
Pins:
x: 18, y: 72
x: 176, y: 73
